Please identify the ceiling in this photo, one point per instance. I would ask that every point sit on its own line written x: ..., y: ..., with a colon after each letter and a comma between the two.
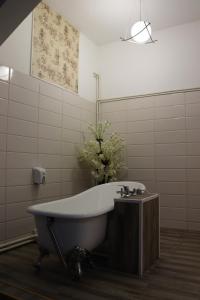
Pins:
x: 104, y: 21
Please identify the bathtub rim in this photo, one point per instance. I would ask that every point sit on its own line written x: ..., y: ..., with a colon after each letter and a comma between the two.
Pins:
x: 39, y: 209
x: 36, y: 212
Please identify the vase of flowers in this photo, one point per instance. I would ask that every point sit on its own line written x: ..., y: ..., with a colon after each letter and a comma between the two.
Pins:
x: 102, y: 153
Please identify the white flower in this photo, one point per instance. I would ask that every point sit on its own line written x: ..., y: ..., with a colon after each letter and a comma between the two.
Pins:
x: 103, y: 153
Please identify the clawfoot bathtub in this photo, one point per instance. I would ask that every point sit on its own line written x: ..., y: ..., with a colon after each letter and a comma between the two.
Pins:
x: 77, y: 224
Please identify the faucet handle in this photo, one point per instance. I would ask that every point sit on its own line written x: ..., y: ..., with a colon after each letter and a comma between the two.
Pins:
x: 120, y: 192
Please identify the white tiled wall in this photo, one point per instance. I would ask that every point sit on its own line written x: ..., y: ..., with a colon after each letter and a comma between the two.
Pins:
x: 163, y: 150
x: 40, y: 125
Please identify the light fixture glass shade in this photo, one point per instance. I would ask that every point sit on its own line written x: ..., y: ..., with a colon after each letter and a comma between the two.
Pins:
x: 141, y: 32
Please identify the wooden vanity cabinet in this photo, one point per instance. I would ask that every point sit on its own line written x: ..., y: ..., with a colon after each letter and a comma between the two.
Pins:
x: 133, y: 234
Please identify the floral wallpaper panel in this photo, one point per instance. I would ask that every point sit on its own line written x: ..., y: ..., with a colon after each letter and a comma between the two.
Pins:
x: 55, y: 48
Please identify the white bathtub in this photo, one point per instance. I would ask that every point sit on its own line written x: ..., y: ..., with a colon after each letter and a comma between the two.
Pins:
x: 79, y: 220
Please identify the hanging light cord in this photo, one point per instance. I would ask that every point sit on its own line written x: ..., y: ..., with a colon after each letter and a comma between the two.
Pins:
x: 140, y: 3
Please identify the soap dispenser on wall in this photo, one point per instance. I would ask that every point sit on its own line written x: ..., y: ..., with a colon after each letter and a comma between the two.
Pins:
x: 39, y: 175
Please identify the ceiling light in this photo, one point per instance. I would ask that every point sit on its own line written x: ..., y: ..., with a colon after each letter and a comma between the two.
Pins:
x: 140, y: 32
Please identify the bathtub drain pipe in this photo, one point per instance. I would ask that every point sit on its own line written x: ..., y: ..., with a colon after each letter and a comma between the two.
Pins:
x: 97, y: 78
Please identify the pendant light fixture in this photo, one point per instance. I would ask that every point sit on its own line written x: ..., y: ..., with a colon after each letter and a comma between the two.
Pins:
x: 140, y: 32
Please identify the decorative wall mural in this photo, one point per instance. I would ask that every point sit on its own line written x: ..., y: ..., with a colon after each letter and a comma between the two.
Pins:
x: 55, y: 48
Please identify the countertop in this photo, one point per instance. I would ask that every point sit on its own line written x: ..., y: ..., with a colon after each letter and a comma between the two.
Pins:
x: 138, y: 198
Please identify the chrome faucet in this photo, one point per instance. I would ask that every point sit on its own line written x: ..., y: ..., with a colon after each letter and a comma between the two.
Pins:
x: 124, y: 191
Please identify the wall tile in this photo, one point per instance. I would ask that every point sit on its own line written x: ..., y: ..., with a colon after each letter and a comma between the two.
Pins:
x: 69, y: 162
x: 141, y: 174
x: 71, y: 123
x: 170, y: 175
x: 18, y: 228
x: 167, y: 112
x: 115, y: 116
x: 120, y: 127
x: 170, y: 162
x: 193, y: 123
x: 170, y: 124
x: 72, y: 111
x: 21, y: 160
x: 24, y: 96
x: 194, y: 201
x: 193, y: 188
x: 194, y: 215
x: 23, y: 112
x: 173, y: 201
x: 24, y: 81
x: 2, y: 160
x: 174, y: 188
x: 50, y: 161
x: 170, y: 137
x: 2, y: 142
x: 140, y: 150
x: 49, y: 146
x: 140, y: 115
x: 24, y: 193
x: 137, y: 103
x: 178, y: 214
x: 2, y: 231
x: 193, y: 135
x: 50, y: 90
x: 170, y: 149
x: 193, y: 162
x: 141, y: 162
x: 67, y: 174
x: 2, y: 177
x: 16, y: 177
x: 2, y: 195
x: 49, y: 190
x: 50, y: 132
x: 192, y: 97
x: 21, y: 144
x: 17, y: 211
x: 173, y: 224
x: 3, y: 124
x: 193, y: 149
x: 193, y: 226
x: 67, y: 189
x: 171, y: 99
x: 2, y: 213
x: 73, y: 99
x: 3, y: 107
x: 140, y: 126
x: 193, y: 174
x: 21, y: 127
x: 71, y: 136
x: 53, y: 175
x: 32, y: 134
x: 141, y: 138
x: 116, y: 106
x: 50, y: 118
x: 193, y: 110
x: 50, y: 104
x: 4, y: 87
x: 69, y: 149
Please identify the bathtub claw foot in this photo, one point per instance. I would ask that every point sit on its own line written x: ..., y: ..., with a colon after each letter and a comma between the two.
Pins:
x: 75, y: 259
x: 38, y: 263
x: 88, y: 260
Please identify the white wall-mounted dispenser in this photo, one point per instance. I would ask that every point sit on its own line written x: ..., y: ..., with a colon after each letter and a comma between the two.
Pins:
x: 39, y: 175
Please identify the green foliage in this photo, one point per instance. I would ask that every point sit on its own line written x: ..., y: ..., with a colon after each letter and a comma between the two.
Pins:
x: 102, y: 153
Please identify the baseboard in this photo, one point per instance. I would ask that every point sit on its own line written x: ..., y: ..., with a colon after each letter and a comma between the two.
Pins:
x: 17, y: 243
